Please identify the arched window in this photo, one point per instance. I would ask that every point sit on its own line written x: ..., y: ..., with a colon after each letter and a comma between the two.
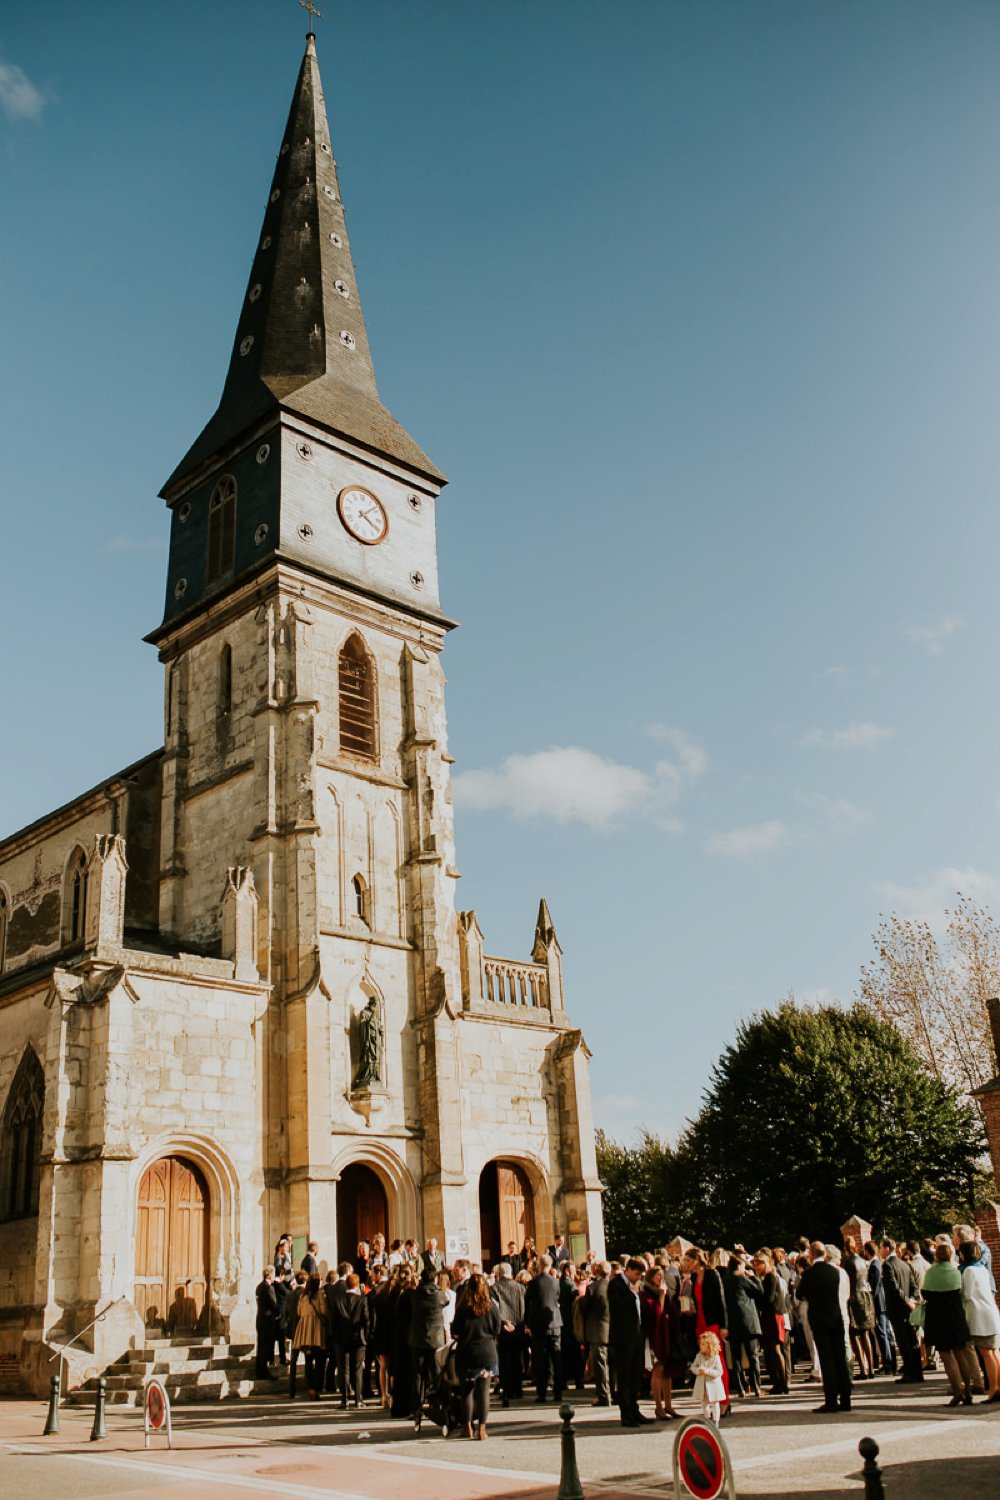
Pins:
x: 362, y: 905
x: 226, y: 681
x: 76, y: 896
x: 20, y: 1164
x: 357, y: 700
x: 221, y: 530
x: 4, y: 921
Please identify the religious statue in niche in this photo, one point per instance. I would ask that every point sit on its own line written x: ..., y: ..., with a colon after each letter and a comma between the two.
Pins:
x: 370, y: 1045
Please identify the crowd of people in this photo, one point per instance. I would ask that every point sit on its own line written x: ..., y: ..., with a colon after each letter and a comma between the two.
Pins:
x: 722, y: 1322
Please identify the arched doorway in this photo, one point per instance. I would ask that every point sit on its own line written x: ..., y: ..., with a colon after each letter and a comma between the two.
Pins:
x: 506, y: 1209
x: 171, y: 1245
x: 362, y: 1209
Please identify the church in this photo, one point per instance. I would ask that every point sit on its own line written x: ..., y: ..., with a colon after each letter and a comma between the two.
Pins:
x: 237, y: 998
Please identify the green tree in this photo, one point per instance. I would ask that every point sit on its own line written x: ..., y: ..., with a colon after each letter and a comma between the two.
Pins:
x: 815, y: 1113
x: 639, y: 1190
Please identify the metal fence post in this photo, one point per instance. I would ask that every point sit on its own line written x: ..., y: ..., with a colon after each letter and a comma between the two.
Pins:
x: 52, y: 1420
x: 868, y: 1448
x: 570, y: 1487
x: 99, y: 1430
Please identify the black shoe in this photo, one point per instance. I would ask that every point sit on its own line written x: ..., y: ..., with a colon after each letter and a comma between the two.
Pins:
x: 599, y: 1402
x: 505, y: 1402
x: 641, y: 1421
x: 631, y: 1422
x: 825, y: 1411
x: 845, y: 1406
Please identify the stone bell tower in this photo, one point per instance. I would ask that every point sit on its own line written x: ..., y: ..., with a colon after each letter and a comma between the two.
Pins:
x: 306, y: 740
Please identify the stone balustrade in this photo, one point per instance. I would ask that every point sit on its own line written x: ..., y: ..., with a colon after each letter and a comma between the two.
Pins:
x: 507, y: 982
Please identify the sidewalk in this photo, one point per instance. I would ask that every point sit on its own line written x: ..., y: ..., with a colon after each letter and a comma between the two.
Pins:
x: 275, y: 1448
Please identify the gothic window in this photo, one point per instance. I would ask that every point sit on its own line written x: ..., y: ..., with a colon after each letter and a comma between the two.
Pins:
x: 225, y: 681
x: 76, y: 897
x: 20, y: 1163
x: 357, y: 700
x: 221, y: 530
x: 4, y: 920
x: 362, y: 905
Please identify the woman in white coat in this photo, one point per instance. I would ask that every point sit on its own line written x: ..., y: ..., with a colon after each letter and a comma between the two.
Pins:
x: 981, y: 1314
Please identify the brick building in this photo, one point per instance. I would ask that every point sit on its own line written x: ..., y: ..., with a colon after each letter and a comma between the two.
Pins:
x: 236, y: 996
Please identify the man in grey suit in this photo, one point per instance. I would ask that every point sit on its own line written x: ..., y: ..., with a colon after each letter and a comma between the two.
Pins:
x: 596, y: 1323
x: 432, y: 1259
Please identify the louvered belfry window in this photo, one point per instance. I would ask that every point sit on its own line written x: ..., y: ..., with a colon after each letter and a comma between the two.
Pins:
x: 357, y: 700
x: 221, y: 529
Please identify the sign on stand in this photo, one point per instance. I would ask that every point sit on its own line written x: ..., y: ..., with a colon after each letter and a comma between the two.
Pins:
x: 701, y: 1462
x: 157, y: 1405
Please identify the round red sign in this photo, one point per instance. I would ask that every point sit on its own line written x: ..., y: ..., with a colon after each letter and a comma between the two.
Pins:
x: 702, y: 1465
x: 155, y: 1406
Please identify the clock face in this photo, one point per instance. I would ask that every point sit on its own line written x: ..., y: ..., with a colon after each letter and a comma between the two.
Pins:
x: 363, y: 515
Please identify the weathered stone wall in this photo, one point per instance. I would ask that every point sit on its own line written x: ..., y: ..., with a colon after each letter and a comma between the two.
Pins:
x: 34, y: 874
x: 24, y: 1023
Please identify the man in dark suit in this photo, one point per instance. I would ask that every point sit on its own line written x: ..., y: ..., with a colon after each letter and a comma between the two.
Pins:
x: 559, y: 1251
x: 820, y: 1289
x: 596, y: 1324
x: 310, y: 1261
x: 626, y: 1340
x: 334, y: 1293
x: 352, y: 1336
x: 544, y: 1322
x: 900, y: 1290
x: 267, y: 1324
x: 512, y: 1259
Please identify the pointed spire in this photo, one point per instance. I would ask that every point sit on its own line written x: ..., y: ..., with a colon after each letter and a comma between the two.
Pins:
x: 545, y: 934
x: 301, y: 342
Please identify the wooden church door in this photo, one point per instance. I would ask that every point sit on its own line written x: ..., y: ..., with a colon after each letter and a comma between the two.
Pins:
x: 171, y: 1245
x: 517, y: 1218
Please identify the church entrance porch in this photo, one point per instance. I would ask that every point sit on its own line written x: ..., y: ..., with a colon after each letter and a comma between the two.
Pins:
x: 362, y: 1209
x: 171, y: 1246
x: 506, y: 1209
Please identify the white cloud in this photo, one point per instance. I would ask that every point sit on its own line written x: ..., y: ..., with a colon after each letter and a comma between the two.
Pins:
x: 746, y: 843
x: 837, y: 673
x: 18, y: 95
x: 837, y: 812
x: 819, y: 996
x: 122, y: 543
x: 570, y: 784
x: 926, y: 901
x: 858, y: 736
x: 933, y: 637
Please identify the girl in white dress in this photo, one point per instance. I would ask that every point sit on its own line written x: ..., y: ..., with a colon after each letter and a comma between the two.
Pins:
x: 709, y: 1390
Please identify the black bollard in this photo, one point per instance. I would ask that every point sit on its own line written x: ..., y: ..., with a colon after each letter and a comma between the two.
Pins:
x: 99, y: 1430
x: 570, y: 1487
x: 52, y: 1420
x: 868, y: 1448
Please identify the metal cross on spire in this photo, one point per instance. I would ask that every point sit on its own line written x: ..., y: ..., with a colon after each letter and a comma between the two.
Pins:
x: 314, y: 14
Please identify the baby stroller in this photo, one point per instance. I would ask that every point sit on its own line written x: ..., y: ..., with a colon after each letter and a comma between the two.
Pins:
x: 443, y: 1399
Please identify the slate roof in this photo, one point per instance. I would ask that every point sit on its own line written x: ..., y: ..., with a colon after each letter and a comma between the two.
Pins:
x: 301, y: 345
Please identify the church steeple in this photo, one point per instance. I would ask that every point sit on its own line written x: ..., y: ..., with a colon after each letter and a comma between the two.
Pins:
x: 301, y: 345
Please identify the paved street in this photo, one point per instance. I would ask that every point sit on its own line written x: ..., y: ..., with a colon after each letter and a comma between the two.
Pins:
x: 277, y: 1448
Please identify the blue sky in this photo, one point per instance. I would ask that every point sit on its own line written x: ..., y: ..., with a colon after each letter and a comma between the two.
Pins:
x: 696, y: 305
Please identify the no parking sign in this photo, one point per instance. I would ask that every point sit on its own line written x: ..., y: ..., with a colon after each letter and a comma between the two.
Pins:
x: 157, y: 1413
x: 701, y: 1462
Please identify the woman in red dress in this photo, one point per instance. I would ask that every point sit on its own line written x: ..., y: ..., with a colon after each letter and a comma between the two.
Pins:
x: 710, y: 1304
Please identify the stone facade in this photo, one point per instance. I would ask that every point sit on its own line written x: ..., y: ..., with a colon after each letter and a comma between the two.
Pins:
x: 185, y: 952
